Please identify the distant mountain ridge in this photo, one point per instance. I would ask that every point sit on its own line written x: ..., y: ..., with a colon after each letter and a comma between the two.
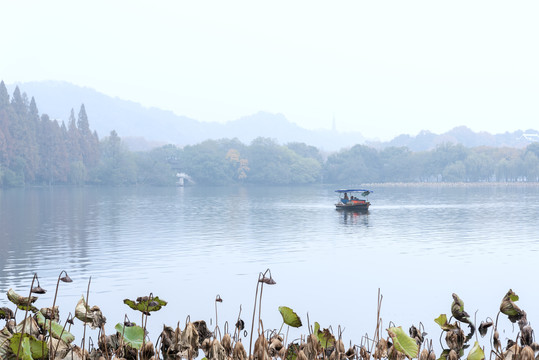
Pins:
x: 142, y: 128
x: 427, y: 140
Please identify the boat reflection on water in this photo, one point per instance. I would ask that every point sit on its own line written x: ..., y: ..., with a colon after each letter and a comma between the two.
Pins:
x: 352, y: 217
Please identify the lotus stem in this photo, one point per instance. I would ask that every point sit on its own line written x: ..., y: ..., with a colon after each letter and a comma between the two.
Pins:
x: 254, y: 312
x: 63, y: 329
x: 66, y: 279
x: 85, y: 318
x: 217, y: 299
x: 26, y: 314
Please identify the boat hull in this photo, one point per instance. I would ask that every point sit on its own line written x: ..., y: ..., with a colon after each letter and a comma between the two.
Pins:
x: 363, y: 206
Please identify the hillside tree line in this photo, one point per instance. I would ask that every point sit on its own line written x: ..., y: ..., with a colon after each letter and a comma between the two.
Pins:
x: 37, y: 150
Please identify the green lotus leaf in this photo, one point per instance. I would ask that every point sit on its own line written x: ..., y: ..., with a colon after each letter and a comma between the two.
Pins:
x: 146, y: 304
x: 403, y: 343
x: 58, y: 331
x: 325, y: 338
x: 290, y: 317
x: 133, y: 335
x: 476, y: 353
x: 442, y: 321
x: 30, y: 348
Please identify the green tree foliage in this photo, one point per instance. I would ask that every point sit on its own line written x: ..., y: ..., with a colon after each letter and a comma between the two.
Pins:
x: 37, y: 150
x: 271, y: 163
x: 117, y: 165
x: 88, y: 141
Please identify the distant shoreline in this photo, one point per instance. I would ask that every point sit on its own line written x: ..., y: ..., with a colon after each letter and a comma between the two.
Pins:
x: 453, y: 184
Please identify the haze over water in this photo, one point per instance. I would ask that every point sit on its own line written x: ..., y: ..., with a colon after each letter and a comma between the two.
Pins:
x: 418, y: 244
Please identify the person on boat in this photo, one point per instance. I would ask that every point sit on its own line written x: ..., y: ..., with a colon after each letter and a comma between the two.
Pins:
x: 345, y: 196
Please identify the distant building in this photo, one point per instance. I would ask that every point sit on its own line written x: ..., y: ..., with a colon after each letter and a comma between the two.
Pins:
x: 531, y: 137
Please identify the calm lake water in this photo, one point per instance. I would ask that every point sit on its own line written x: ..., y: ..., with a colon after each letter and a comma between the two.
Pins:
x: 418, y: 245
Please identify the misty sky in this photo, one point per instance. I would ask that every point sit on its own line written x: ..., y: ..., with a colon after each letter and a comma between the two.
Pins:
x: 379, y: 67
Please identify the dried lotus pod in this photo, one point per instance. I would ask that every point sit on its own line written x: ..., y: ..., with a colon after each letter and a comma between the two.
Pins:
x: 339, y: 346
x: 312, y: 347
x: 239, y: 352
x: 147, y: 351
x: 217, y: 352
x: 206, y: 344
x: 527, y: 353
x: 275, y: 346
x: 301, y: 355
x: 455, y: 339
x: 351, y: 353
x: 363, y: 353
x: 261, y: 348
x: 381, y: 349
x: 227, y: 344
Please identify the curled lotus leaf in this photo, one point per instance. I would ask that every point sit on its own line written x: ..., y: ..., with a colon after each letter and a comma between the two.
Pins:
x: 92, y: 316
x: 30, y: 348
x: 5, y: 335
x: 146, y: 304
x: 476, y: 353
x: 57, y: 330
x: 403, y: 342
x: 6, y: 313
x: 325, y: 338
x: 22, y: 302
x: 290, y: 317
x: 483, y: 328
x: 509, y: 308
x: 132, y: 335
x: 30, y: 327
x: 457, y: 310
x: 442, y: 321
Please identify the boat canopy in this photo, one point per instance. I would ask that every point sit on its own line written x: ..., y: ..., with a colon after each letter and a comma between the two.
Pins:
x: 351, y: 190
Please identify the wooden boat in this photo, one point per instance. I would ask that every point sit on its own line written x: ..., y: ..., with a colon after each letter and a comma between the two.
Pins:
x: 348, y: 199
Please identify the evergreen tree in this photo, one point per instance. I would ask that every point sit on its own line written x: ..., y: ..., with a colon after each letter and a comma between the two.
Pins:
x: 89, y: 144
x: 73, y: 144
x: 5, y: 108
x: 23, y: 133
x: 4, y: 96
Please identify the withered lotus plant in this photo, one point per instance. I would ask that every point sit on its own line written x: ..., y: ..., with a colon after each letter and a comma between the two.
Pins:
x: 227, y: 344
x: 25, y: 303
x: 527, y: 353
x: 145, y: 305
x: 54, y: 310
x: 239, y: 352
x: 483, y: 327
x: 261, y: 348
x: 262, y: 279
x: 458, y: 312
x: 509, y: 308
x: 217, y: 352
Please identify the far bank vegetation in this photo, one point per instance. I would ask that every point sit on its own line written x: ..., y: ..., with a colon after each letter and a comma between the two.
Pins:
x: 37, y: 150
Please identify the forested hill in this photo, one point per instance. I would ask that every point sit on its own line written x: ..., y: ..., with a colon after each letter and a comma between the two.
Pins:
x: 141, y: 127
x: 36, y: 150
